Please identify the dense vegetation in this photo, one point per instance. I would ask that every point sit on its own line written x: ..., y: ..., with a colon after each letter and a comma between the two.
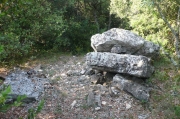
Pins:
x: 31, y: 26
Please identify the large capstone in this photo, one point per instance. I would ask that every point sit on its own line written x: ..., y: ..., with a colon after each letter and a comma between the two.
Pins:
x: 136, y: 89
x: 123, y: 42
x: 120, y: 63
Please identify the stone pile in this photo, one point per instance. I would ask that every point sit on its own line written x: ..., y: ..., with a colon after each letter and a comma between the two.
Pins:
x: 127, y: 57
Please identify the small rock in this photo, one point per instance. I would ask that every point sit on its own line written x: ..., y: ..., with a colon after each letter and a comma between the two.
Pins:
x: 90, y: 98
x: 143, y: 116
x: 73, y: 73
x: 104, y: 102
x: 128, y: 106
x: 97, y: 99
x: 78, y: 63
x: 82, y: 78
x: 113, y: 91
x: 97, y: 108
x: 73, y: 104
x: 63, y: 74
x: 83, y: 72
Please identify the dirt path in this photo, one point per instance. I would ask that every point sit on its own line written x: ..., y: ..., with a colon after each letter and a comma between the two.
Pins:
x: 67, y: 96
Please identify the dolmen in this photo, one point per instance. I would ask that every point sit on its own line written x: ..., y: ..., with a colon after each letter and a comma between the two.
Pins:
x: 126, y: 55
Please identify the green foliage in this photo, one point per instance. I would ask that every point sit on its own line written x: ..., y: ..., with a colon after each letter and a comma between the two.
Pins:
x: 4, y: 95
x: 177, y: 110
x: 76, y: 39
x: 162, y: 76
x: 33, y: 112
x: 146, y: 21
x: 121, y: 8
x: 161, y: 61
x: 154, y: 30
x: 12, y: 48
x: 31, y: 26
x: 1, y: 48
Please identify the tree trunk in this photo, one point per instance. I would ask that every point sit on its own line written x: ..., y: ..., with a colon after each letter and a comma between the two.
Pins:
x: 109, y: 24
x: 178, y: 22
x: 96, y: 20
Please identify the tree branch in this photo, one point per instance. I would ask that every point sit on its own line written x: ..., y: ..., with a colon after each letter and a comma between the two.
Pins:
x: 178, y: 22
x: 110, y: 20
x: 175, y: 34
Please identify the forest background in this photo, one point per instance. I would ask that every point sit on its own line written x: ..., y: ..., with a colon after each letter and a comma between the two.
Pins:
x: 29, y: 27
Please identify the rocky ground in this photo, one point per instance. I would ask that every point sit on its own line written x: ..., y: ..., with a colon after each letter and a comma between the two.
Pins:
x: 66, y: 97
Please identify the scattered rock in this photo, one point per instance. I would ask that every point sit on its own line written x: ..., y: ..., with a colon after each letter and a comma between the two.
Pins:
x: 104, y: 102
x: 73, y: 104
x: 83, y: 72
x: 128, y: 106
x: 97, y: 108
x: 73, y: 73
x: 143, y: 116
x: 82, y: 78
x: 128, y: 64
x: 91, y: 98
x: 97, y: 79
x: 97, y: 99
x: 114, y: 91
x: 99, y: 88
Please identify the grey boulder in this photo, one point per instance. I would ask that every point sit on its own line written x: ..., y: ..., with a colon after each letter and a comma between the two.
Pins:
x: 138, y: 90
x: 120, y: 63
x: 123, y: 42
x: 28, y: 83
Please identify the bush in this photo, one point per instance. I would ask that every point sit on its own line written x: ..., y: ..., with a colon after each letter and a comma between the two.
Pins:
x: 27, y: 27
x: 76, y: 39
x: 4, y: 95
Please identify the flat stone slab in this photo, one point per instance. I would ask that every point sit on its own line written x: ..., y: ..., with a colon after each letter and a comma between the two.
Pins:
x: 138, y: 90
x: 123, y: 42
x: 30, y: 83
x: 120, y: 63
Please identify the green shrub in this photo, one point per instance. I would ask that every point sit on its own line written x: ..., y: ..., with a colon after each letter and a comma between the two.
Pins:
x: 4, y: 95
x: 177, y: 111
x: 76, y: 39
x: 27, y: 27
x: 33, y: 112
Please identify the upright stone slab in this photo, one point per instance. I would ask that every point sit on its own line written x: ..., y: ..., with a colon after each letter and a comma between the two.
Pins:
x: 120, y: 63
x: 123, y: 42
x: 131, y: 86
